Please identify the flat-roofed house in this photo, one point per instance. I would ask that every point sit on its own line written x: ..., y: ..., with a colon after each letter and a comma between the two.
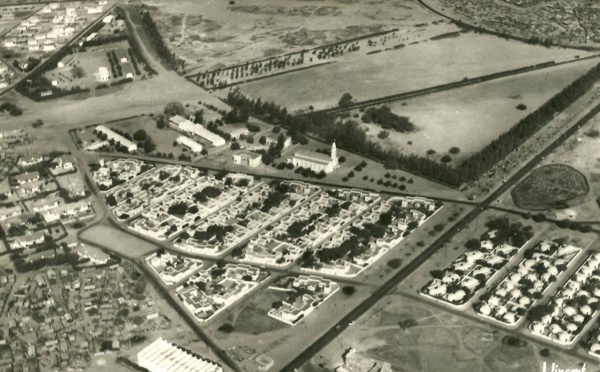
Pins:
x: 248, y: 158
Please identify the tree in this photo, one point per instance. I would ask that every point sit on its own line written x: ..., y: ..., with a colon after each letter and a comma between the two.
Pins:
x: 253, y: 127
x: 454, y: 150
x: 348, y: 290
x: 262, y: 140
x: 383, y: 134
x: 174, y: 108
x: 226, y: 328
x: 149, y: 146
x: 140, y: 135
x: 235, y: 146
x: 346, y: 100
x: 473, y: 244
x: 394, y: 263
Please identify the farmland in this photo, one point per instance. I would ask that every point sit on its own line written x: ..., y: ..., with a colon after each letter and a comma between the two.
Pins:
x: 413, y: 67
x: 447, y: 119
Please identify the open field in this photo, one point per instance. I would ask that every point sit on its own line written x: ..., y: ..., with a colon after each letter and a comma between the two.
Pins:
x: 449, y: 119
x: 549, y: 186
x: 221, y: 33
x: 277, y: 343
x: 118, y: 241
x: 414, y: 337
x: 410, y: 68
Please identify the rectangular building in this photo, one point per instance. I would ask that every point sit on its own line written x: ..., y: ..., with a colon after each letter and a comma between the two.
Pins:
x: 185, y: 126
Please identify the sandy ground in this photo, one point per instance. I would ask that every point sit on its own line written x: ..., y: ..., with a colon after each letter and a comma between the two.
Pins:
x: 439, y: 342
x: 452, y: 118
x: 220, y: 33
x: 413, y: 67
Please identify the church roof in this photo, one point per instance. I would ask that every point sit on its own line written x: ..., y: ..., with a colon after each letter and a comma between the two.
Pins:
x: 315, y: 157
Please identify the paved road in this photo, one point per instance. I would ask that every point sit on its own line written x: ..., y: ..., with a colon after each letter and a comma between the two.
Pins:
x: 391, y: 284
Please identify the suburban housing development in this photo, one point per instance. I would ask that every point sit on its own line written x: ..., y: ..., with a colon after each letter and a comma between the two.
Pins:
x: 310, y: 186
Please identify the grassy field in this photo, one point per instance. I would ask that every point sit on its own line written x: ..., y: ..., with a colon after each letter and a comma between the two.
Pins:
x: 118, y: 241
x: 449, y: 119
x: 222, y: 33
x: 253, y: 318
x: 410, y: 68
x: 435, y: 341
x: 550, y: 186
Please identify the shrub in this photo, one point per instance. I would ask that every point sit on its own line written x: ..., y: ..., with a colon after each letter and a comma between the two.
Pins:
x: 348, y: 290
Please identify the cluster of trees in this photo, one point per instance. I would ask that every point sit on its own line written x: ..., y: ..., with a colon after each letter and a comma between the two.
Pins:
x: 209, y: 192
x: 507, y: 232
x: 351, y: 247
x: 236, y: 116
x: 217, y: 232
x: 178, y: 209
x: 350, y: 136
x: 11, y: 108
x: 302, y: 227
x: 158, y: 43
x: 384, y: 117
x: 29, y: 65
x: 115, y: 64
x: 275, y: 197
x: 134, y: 61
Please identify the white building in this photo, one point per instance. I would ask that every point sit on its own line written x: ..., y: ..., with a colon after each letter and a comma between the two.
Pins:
x: 103, y: 74
x: 315, y: 160
x: 248, y: 158
x: 183, y: 125
x: 236, y: 132
x: 273, y: 139
x: 162, y: 356
x: 111, y: 135
x: 189, y: 143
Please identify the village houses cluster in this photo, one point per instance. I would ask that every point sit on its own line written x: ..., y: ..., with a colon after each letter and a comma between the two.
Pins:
x: 527, y: 283
x: 45, y: 193
x: 59, y: 318
x: 53, y: 26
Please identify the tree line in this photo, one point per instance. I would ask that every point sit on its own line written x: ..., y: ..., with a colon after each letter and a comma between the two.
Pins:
x: 350, y: 136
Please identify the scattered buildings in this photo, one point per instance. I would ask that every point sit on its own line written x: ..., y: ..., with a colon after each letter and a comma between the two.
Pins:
x: 194, y: 146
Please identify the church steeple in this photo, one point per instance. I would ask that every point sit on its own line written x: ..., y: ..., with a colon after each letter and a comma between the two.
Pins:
x: 333, y: 151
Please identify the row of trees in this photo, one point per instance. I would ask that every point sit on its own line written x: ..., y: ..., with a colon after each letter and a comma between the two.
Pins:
x: 351, y: 136
x: 158, y: 43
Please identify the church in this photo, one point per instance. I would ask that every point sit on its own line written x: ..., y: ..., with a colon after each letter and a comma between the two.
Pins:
x: 315, y: 160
